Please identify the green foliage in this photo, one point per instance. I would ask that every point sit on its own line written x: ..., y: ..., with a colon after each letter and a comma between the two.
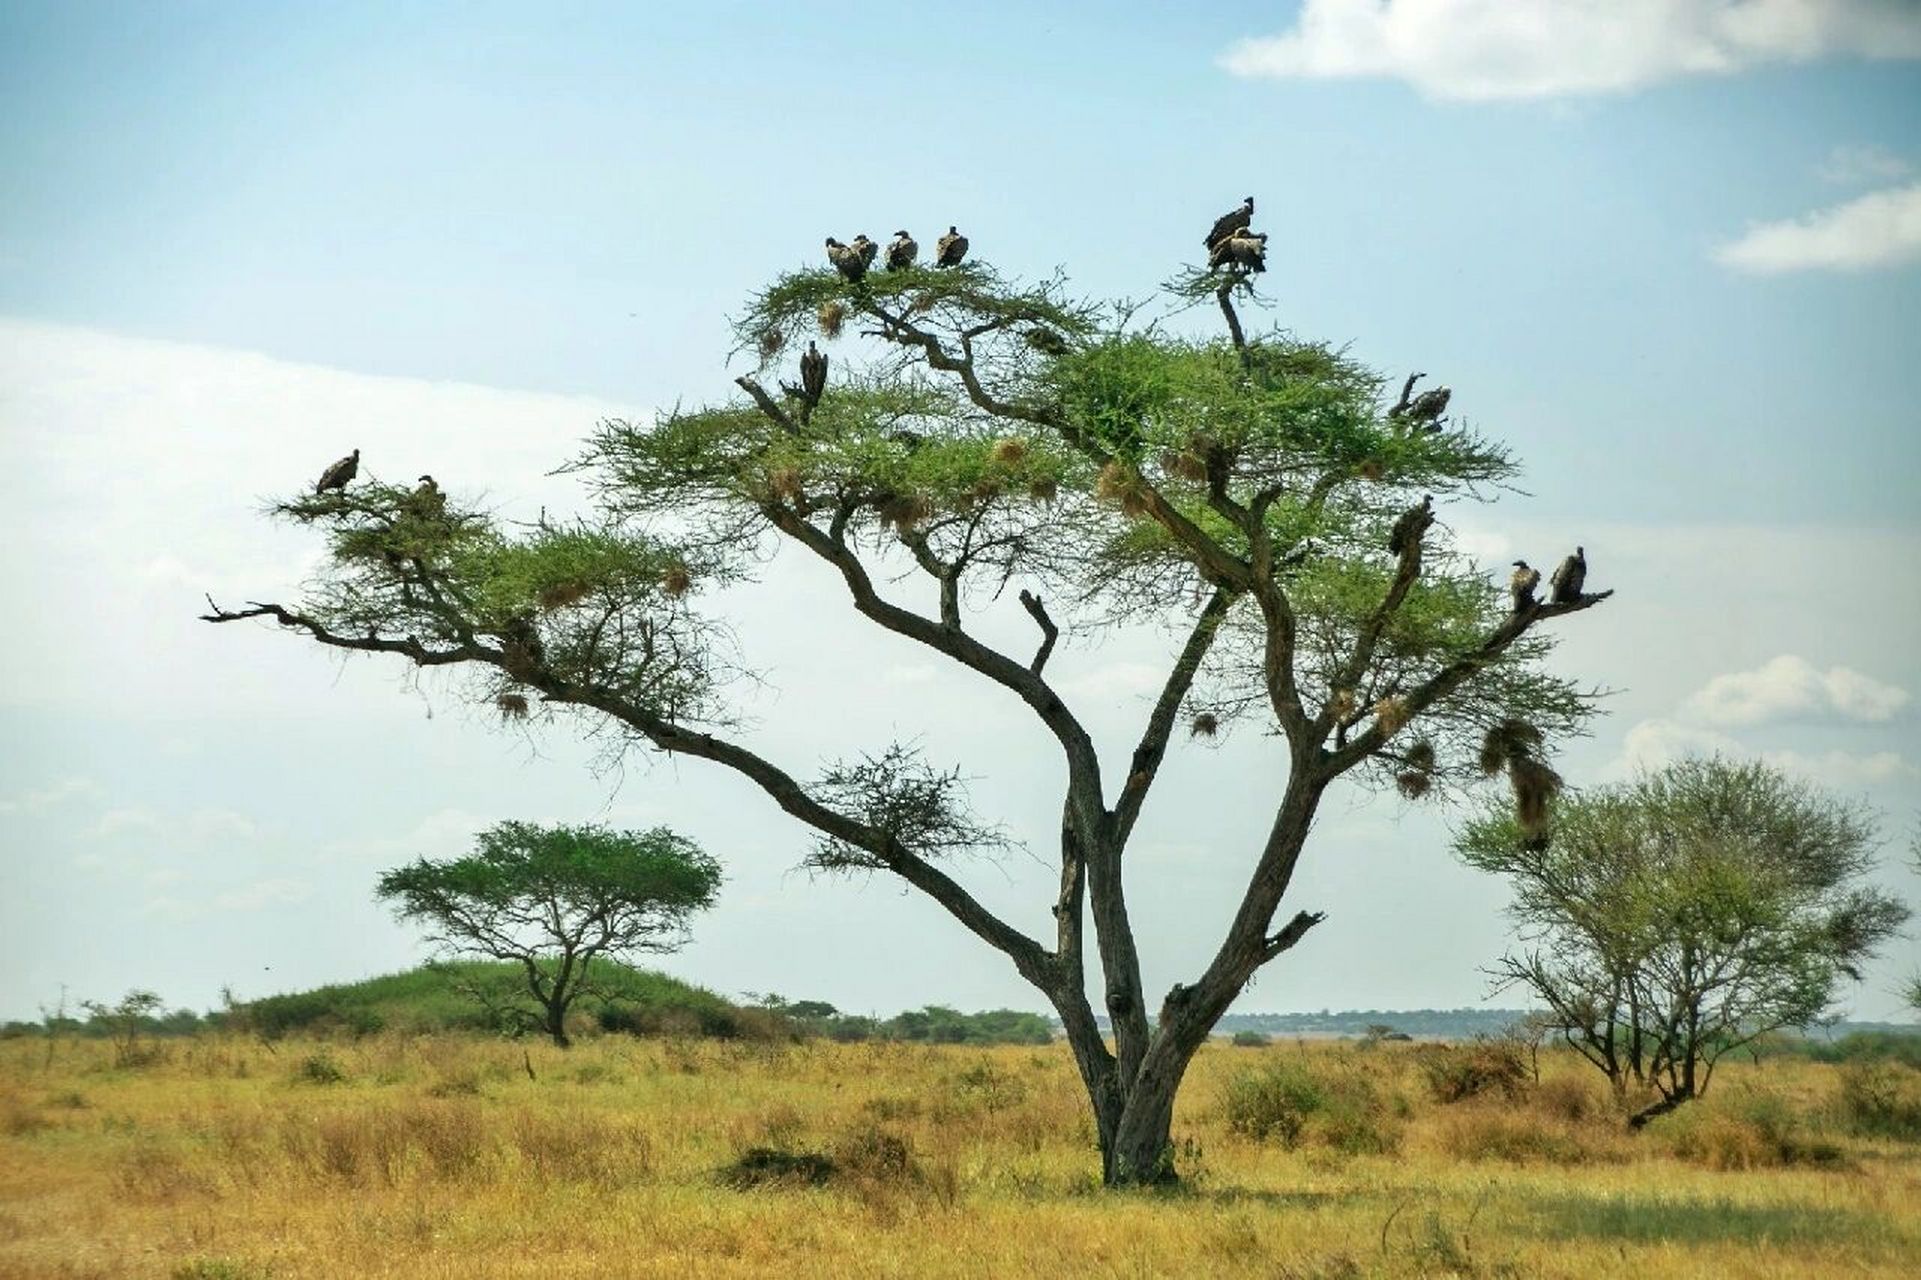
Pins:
x: 1455, y: 1073
x: 1882, y: 1099
x: 1681, y: 915
x: 1290, y: 1102
x: 431, y: 998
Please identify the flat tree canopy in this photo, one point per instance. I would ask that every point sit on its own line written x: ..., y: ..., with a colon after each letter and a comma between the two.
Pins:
x: 555, y: 900
x: 993, y: 441
x: 1679, y: 916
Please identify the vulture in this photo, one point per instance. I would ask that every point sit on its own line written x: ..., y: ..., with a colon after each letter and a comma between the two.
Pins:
x: 1413, y: 523
x: 427, y: 501
x: 1230, y: 222
x: 902, y: 252
x: 1570, y: 578
x: 1244, y: 249
x: 813, y: 374
x: 950, y: 248
x: 520, y: 642
x: 846, y: 259
x: 867, y: 250
x: 340, y: 473
x: 1521, y: 584
x: 1425, y: 413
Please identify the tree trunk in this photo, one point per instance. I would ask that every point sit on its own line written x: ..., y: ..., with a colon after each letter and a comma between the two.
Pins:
x: 1142, y: 1151
x: 1639, y: 1119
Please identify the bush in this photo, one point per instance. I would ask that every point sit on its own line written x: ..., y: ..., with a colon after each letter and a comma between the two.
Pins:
x: 319, y: 1068
x: 1455, y: 1073
x: 772, y: 1166
x: 1487, y: 1133
x: 1882, y: 1100
x: 1746, y: 1131
x: 1251, y: 1039
x: 1290, y: 1103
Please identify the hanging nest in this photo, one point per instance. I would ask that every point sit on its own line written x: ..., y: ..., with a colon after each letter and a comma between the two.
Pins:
x: 1505, y: 742
x: 1009, y: 450
x: 561, y: 594
x: 1185, y: 463
x: 1119, y: 483
x: 1392, y: 714
x: 1535, y: 787
x: 904, y: 511
x: 771, y: 342
x: 675, y: 581
x: 1371, y: 470
x: 512, y: 706
x: 922, y: 304
x: 1414, y: 783
x: 1045, y: 489
x: 832, y: 315
x: 1205, y: 725
x: 1421, y: 756
x: 1342, y: 704
x: 785, y: 483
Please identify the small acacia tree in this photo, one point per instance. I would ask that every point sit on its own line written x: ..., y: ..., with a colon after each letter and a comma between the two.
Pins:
x: 1682, y: 915
x: 1238, y: 490
x: 555, y: 900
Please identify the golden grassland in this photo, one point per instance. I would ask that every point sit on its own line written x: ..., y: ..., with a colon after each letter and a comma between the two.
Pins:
x: 467, y: 1157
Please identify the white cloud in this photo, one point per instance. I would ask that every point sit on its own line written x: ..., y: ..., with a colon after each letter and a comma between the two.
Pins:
x: 1791, y: 687
x: 1480, y: 50
x: 1880, y: 229
x: 1857, y: 163
x: 1652, y: 744
x: 65, y: 791
x: 262, y: 893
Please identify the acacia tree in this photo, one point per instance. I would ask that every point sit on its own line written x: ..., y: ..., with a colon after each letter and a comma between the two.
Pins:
x: 1681, y: 915
x: 555, y: 900
x: 1239, y: 490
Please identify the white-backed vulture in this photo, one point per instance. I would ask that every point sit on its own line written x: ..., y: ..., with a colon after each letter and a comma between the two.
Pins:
x: 1411, y: 526
x: 950, y: 248
x: 339, y: 474
x: 846, y: 259
x: 813, y: 374
x: 1521, y: 584
x: 1230, y: 222
x: 902, y: 252
x: 1569, y: 578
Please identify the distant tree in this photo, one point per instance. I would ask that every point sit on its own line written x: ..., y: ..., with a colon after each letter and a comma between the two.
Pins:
x: 555, y: 900
x: 1681, y: 915
x: 123, y: 1021
x: 1913, y: 992
x: 1257, y: 496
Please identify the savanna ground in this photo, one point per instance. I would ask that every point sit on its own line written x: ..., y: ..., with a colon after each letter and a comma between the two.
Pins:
x: 452, y: 1155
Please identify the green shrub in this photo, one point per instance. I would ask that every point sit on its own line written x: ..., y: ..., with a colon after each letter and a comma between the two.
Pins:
x: 1455, y: 1073
x: 1251, y: 1039
x: 1289, y: 1102
x: 319, y: 1068
x: 1882, y: 1100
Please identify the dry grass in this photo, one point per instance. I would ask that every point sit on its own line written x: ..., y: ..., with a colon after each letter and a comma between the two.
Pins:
x: 439, y: 1156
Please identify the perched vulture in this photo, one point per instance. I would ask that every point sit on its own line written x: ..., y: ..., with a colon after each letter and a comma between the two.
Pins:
x: 1412, y: 524
x: 813, y: 374
x: 1046, y: 341
x: 1425, y: 413
x: 521, y: 645
x: 846, y: 259
x: 1521, y: 584
x: 428, y: 501
x: 1570, y: 578
x: 867, y: 250
x: 1246, y: 250
x: 1230, y: 222
x: 908, y: 440
x: 340, y: 473
x: 902, y: 252
x: 950, y: 248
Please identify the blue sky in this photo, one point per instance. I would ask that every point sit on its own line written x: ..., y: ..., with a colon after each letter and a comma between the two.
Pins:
x: 246, y: 233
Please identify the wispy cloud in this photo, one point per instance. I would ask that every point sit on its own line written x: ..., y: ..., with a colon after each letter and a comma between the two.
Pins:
x: 1792, y: 688
x: 1483, y: 50
x: 1880, y: 229
x: 1654, y: 743
x: 1857, y: 163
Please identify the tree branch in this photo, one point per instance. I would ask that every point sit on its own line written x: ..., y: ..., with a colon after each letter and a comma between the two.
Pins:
x: 1049, y: 632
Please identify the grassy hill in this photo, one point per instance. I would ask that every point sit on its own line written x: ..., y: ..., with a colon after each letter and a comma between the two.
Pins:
x: 442, y: 998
